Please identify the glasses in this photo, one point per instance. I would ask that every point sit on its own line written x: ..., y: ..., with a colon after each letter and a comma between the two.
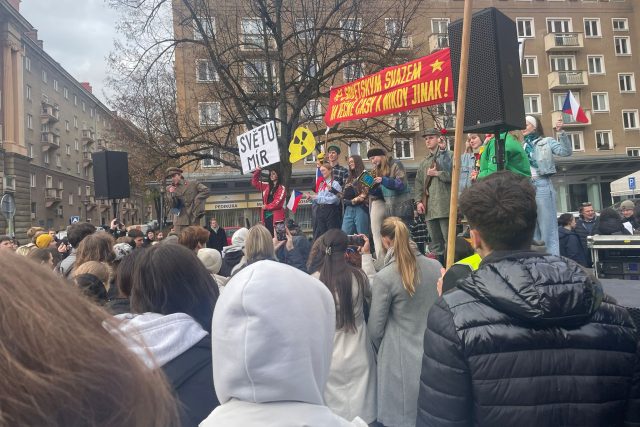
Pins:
x: 351, y: 250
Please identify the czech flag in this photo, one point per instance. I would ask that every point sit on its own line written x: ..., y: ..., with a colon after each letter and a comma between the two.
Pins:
x: 572, y: 108
x: 319, y: 179
x: 294, y: 200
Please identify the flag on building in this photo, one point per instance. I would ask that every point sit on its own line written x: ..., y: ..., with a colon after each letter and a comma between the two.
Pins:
x: 294, y: 200
x: 572, y: 108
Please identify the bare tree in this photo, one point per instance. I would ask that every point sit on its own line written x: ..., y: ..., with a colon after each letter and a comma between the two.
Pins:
x: 262, y: 60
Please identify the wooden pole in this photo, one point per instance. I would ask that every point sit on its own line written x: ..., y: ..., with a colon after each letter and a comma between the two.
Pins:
x: 459, y: 134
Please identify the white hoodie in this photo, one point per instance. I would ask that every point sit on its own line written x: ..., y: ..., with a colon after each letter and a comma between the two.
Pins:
x: 272, y: 344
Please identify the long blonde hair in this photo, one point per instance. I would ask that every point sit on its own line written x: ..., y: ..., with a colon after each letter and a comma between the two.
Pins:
x: 384, y: 168
x: 394, y: 229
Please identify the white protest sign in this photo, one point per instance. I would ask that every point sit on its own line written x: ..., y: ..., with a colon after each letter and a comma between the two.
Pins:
x: 259, y: 147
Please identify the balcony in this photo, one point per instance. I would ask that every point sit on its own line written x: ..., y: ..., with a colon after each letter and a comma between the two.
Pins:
x: 49, y: 113
x: 567, y: 79
x: 86, y: 158
x: 405, y: 43
x: 438, y: 41
x: 52, y: 196
x: 559, y: 42
x: 404, y: 124
x: 49, y: 140
x: 568, y: 120
x: 87, y: 136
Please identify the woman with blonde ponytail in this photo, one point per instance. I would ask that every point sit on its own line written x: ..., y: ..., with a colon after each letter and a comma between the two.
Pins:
x: 402, y: 293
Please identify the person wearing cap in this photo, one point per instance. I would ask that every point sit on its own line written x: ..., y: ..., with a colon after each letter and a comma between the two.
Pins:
x: 186, y: 199
x: 540, y: 151
x: 433, y: 191
x: 628, y: 220
x: 339, y: 173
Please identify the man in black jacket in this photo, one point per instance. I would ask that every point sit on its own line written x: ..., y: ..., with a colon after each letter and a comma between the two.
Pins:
x: 587, y: 225
x: 528, y: 339
x: 217, y: 235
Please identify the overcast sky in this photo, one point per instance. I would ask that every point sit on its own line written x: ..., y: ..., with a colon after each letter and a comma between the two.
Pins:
x: 78, y: 34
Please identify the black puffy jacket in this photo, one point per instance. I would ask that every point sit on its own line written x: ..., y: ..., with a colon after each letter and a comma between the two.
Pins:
x: 529, y: 340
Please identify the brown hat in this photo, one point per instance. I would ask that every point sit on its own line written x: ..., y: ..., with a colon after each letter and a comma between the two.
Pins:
x: 172, y: 171
x: 430, y: 131
x: 376, y: 151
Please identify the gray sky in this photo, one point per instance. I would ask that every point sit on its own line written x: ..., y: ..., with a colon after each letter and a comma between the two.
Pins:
x: 78, y: 34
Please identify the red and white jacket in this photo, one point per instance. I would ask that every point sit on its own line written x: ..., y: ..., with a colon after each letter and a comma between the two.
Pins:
x: 279, y: 198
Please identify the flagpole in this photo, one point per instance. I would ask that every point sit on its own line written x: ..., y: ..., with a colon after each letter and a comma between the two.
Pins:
x: 459, y: 133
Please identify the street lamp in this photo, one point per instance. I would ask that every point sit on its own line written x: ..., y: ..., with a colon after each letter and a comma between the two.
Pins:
x: 85, y: 202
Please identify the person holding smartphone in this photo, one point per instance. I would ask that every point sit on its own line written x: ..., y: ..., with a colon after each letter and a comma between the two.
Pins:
x: 327, y: 202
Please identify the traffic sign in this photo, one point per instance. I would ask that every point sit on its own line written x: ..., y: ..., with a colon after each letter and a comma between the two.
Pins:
x: 74, y: 219
x: 632, y: 183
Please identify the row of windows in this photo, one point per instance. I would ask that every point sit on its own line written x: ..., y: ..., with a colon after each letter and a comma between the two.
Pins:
x: 209, y: 113
x: 599, y: 102
x: 592, y: 27
x: 595, y: 66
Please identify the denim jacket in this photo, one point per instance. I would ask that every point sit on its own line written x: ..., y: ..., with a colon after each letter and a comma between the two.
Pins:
x: 546, y: 148
x: 467, y: 165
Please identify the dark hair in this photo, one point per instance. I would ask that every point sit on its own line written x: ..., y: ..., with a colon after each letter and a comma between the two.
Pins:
x: 359, y: 167
x: 124, y: 272
x: 502, y: 207
x: 338, y: 275
x: 79, y: 231
x: 463, y: 249
x: 47, y: 357
x: 171, y: 279
x: 192, y: 235
x: 611, y: 223
x: 134, y: 232
x: 96, y: 247
x: 565, y: 219
x: 40, y: 255
x: 539, y: 129
x: 92, y: 287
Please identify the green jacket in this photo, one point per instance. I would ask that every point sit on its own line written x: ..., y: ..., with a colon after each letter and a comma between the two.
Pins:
x: 515, y: 158
x: 440, y: 187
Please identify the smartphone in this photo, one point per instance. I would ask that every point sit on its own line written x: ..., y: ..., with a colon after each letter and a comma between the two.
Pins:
x: 281, y: 232
x: 355, y: 240
x: 366, y: 178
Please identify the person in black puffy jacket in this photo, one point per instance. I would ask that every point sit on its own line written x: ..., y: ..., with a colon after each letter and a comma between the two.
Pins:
x: 528, y: 339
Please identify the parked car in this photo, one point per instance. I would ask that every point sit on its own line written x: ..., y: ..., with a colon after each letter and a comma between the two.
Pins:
x: 229, y: 231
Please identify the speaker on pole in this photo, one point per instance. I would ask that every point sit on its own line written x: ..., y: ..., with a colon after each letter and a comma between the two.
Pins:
x: 494, y: 92
x: 111, y: 174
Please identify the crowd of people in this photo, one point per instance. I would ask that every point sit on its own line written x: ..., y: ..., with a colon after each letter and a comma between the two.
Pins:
x: 355, y: 327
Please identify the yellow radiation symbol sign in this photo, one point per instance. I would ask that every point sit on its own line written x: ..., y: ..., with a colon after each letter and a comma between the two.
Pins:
x: 302, y: 144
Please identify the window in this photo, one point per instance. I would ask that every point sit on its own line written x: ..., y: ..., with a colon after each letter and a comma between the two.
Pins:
x: 559, y: 25
x: 33, y: 180
x: 532, y: 104
x: 28, y: 94
x: 351, y: 29
x: 68, y: 150
x: 312, y: 111
x: 45, y: 157
x: 403, y: 122
x: 630, y: 119
x: 563, y: 63
x: 75, y: 99
x: 78, y: 169
x: 205, y: 71
x: 600, y: 101
x: 620, y: 24
x: 61, y: 185
x: 633, y: 151
x: 75, y: 122
x: 530, y: 66
x: 558, y: 99
x: 29, y: 121
x: 403, y: 148
x: 55, y: 85
x: 592, y: 27
x: 257, y: 76
x: 627, y: 82
x: 65, y: 91
x: 209, y: 26
x: 258, y: 116
x: 49, y: 181
x: 84, y: 107
x: 305, y: 29
x: 307, y: 67
x: 66, y: 125
x: 31, y: 150
x: 622, y: 44
x: 71, y: 198
x: 209, y: 113
x: 76, y: 145
x: 596, y: 64
x: 58, y: 160
x: 353, y: 72
x: 27, y: 63
x: 92, y: 112
x: 395, y: 30
x: 212, y: 163
x: 440, y: 26
x: 87, y: 190
x: 44, y: 76
x: 604, y: 140
x: 525, y: 27
x: 79, y: 190
x: 577, y: 141
x: 253, y: 33
x: 359, y: 147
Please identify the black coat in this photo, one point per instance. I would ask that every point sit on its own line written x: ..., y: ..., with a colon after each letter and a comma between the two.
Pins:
x: 230, y: 260
x: 527, y: 340
x: 217, y: 239
x: 191, y: 376
x: 571, y: 247
x: 582, y: 230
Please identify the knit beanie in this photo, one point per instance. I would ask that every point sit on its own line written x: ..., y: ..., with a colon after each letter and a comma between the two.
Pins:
x: 121, y: 250
x: 211, y: 259
x: 239, y: 237
x: 43, y: 241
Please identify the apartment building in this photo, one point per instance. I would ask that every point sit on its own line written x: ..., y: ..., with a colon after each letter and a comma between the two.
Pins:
x: 51, y: 124
x: 586, y: 46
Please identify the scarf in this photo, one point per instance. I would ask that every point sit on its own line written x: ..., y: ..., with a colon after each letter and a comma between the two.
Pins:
x: 530, y: 147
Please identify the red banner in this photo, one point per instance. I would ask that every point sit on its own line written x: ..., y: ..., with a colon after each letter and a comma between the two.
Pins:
x: 419, y: 83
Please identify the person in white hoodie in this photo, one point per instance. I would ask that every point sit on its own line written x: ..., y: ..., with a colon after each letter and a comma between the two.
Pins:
x: 272, y: 344
x: 174, y: 296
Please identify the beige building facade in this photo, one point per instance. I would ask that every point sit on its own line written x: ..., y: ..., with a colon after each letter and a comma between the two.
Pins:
x: 589, y: 47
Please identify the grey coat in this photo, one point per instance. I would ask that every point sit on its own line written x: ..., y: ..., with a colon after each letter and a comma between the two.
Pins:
x: 397, y: 322
x: 440, y: 188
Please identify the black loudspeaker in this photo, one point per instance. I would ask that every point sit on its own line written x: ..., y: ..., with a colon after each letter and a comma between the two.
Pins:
x: 494, y: 81
x: 111, y: 174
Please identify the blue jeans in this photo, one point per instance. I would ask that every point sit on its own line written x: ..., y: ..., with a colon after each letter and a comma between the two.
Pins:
x: 356, y: 221
x: 547, y: 223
